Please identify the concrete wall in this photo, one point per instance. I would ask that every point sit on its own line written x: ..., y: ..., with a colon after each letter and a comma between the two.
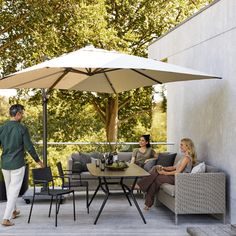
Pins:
x: 205, y: 110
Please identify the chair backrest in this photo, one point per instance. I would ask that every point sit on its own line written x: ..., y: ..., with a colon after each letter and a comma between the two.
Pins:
x: 44, y: 174
x: 60, y: 170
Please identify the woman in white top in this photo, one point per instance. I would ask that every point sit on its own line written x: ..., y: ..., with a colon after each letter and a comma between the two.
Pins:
x: 151, y: 184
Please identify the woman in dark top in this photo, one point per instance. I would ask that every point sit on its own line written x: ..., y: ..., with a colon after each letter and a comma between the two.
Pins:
x: 144, y: 153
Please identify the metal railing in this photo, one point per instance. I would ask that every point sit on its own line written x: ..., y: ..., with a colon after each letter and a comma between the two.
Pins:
x: 103, y: 143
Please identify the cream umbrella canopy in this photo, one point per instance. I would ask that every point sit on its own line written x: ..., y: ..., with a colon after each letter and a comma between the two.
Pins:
x: 97, y: 70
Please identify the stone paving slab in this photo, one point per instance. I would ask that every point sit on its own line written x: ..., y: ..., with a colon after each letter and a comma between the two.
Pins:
x: 222, y: 230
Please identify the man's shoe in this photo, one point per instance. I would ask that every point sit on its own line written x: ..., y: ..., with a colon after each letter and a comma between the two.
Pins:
x: 7, y: 223
x: 15, y: 214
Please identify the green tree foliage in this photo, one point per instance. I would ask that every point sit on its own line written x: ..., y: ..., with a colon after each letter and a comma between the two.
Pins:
x: 31, y: 31
x: 158, y: 130
x: 4, y: 106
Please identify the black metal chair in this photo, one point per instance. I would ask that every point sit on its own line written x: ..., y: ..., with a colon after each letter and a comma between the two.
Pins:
x: 43, y: 176
x: 66, y: 177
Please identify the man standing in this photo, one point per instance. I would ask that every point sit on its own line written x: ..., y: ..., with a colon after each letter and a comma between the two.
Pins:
x: 14, y: 139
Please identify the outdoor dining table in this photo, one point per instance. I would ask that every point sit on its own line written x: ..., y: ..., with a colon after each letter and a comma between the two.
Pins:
x: 133, y: 171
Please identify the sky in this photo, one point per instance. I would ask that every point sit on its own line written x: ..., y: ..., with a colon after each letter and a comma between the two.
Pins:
x: 7, y: 92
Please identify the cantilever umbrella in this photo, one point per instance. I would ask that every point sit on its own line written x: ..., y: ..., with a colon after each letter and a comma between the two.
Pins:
x: 98, y: 70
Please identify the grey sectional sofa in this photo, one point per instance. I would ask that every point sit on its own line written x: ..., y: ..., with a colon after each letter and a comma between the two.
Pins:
x: 199, y: 193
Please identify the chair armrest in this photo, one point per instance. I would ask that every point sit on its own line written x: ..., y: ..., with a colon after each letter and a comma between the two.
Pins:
x: 40, y: 181
x: 63, y: 178
x: 201, y: 190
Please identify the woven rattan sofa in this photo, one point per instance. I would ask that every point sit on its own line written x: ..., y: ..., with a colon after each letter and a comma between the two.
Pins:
x: 198, y: 193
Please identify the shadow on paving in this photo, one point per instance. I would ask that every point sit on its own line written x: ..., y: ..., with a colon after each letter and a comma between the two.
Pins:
x: 117, y: 218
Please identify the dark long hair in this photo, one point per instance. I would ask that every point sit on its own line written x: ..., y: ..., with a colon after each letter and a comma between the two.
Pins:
x: 147, y: 139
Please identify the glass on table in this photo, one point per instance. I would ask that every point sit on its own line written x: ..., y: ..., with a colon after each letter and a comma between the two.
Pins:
x: 97, y: 162
x: 115, y: 158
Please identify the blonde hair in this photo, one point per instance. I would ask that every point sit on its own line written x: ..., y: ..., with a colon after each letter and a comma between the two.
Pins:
x: 191, y: 149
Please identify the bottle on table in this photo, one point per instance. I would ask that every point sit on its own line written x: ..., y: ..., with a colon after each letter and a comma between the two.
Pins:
x: 102, y: 163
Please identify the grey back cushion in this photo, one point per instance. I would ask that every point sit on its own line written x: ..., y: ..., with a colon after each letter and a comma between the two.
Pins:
x: 209, y: 168
x: 164, y: 159
x: 124, y: 156
x: 80, y: 160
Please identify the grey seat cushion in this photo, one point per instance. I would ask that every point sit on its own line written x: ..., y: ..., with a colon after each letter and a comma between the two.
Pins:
x: 169, y: 189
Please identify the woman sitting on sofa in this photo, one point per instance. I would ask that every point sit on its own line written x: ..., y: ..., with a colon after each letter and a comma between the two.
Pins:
x: 159, y: 175
x: 144, y: 153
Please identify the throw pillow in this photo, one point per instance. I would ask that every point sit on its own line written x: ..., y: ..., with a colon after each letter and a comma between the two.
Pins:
x: 83, y: 159
x: 166, y: 159
x: 200, y: 168
x: 96, y: 155
x: 148, y: 166
x: 77, y: 167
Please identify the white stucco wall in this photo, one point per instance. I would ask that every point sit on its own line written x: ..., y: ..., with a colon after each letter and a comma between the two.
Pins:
x: 205, y: 110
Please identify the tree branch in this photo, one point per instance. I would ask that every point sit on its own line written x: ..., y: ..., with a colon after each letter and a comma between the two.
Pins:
x: 2, y: 47
x: 136, y: 114
x: 14, y: 23
x: 193, y: 2
x: 99, y: 110
x: 124, y: 103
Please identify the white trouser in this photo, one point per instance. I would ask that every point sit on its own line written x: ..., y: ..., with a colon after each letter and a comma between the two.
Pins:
x: 13, y: 181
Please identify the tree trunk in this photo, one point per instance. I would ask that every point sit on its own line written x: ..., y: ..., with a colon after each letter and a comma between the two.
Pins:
x: 112, y: 118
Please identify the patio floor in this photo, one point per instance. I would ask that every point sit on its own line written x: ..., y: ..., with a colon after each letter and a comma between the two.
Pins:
x: 117, y: 218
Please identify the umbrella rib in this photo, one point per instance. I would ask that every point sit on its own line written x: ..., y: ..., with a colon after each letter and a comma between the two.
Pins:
x: 88, y: 70
x: 95, y: 72
x: 79, y: 71
x: 114, y: 91
x: 103, y: 70
x: 43, y: 77
x: 59, y: 79
x: 149, y: 77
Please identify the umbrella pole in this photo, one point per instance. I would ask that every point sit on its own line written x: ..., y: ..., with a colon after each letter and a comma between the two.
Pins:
x: 45, y: 131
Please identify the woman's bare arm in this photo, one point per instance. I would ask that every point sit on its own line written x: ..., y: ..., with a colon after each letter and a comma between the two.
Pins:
x: 178, y: 169
x: 132, y: 160
x: 169, y: 168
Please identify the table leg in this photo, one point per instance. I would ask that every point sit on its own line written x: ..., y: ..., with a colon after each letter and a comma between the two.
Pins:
x: 126, y: 194
x: 95, y: 193
x: 106, y: 190
x: 135, y: 202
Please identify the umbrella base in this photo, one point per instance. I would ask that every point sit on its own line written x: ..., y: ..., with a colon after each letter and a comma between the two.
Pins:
x: 28, y: 196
